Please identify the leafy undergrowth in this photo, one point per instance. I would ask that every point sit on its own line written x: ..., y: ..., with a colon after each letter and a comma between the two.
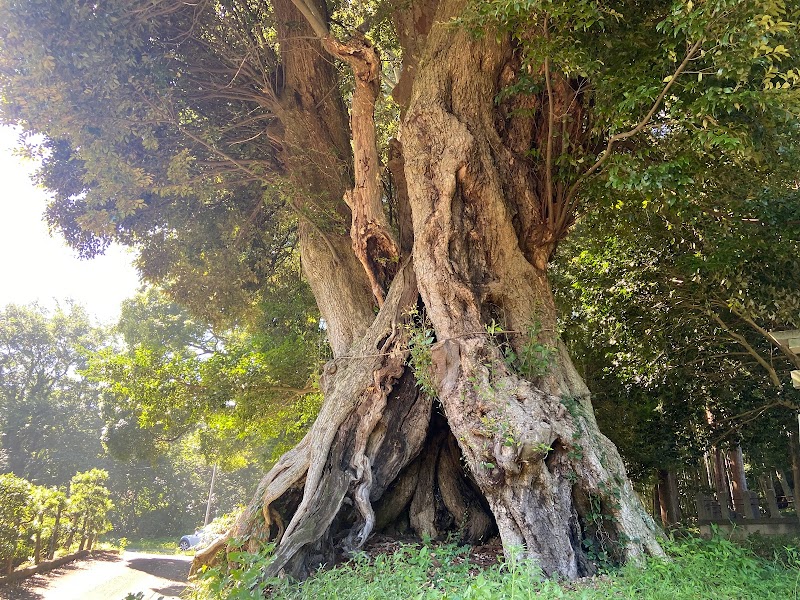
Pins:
x: 715, y: 569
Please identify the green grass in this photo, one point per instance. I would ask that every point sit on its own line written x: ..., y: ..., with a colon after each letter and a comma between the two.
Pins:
x: 162, y: 545
x: 697, y: 569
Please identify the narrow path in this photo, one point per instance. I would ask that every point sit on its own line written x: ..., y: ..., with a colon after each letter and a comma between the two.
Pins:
x: 106, y: 576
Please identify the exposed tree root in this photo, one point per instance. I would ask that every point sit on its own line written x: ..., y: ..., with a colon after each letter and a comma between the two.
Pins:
x: 372, y: 424
x: 556, y: 486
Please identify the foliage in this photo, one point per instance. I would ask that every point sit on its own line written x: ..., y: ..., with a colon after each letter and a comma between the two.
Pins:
x: 16, y: 513
x: 168, y: 495
x: 34, y: 520
x: 717, y: 569
x: 153, y: 545
x: 703, y: 79
x: 49, y: 414
x: 47, y: 504
x: 237, y: 397
x: 89, y: 498
x: 420, y: 340
x: 533, y: 358
x: 139, y: 161
x: 667, y: 302
x: 52, y: 424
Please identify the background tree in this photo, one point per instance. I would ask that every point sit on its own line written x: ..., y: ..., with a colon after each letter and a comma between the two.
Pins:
x: 15, y: 514
x: 209, y: 134
x: 90, y: 501
x: 55, y: 422
x: 671, y: 310
x: 49, y: 414
x: 236, y: 393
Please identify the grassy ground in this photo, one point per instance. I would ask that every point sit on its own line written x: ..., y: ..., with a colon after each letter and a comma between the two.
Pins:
x: 165, y: 545
x: 697, y: 569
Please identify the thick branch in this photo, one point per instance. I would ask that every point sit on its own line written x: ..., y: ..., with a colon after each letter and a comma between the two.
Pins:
x: 548, y: 166
x: 313, y: 16
x: 752, y: 351
x: 372, y: 239
x: 793, y: 358
x: 373, y: 242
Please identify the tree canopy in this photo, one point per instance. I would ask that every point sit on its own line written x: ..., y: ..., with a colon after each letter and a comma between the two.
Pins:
x: 238, y: 394
x: 675, y: 315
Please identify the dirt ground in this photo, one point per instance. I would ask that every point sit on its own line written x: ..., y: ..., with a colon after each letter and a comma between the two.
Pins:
x: 106, y: 576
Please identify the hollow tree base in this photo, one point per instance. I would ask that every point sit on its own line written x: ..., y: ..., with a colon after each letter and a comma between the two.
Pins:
x: 495, y: 454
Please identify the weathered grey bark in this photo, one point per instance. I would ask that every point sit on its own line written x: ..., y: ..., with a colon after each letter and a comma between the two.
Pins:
x: 83, y: 533
x: 372, y: 424
x: 37, y: 547
x: 73, y: 529
x: 794, y: 451
x: 317, y: 157
x: 56, y: 530
x: 738, y: 477
x: 721, y: 483
x: 788, y: 492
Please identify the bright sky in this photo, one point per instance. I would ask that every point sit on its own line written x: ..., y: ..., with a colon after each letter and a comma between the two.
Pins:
x: 37, y: 267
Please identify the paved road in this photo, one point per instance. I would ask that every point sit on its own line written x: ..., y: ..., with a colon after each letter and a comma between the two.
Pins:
x: 106, y: 576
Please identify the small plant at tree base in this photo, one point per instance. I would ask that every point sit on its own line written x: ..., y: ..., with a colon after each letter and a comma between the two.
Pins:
x: 600, y: 547
x: 421, y: 337
x: 542, y: 448
x: 244, y: 579
x: 717, y: 568
x: 507, y: 436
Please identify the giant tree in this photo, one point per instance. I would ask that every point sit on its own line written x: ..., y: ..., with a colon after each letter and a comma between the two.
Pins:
x: 214, y: 135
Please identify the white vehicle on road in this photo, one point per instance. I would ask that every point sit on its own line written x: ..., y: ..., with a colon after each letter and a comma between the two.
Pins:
x: 201, y: 537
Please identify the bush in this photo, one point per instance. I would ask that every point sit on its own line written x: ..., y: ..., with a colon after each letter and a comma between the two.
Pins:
x: 36, y: 521
x: 16, y: 513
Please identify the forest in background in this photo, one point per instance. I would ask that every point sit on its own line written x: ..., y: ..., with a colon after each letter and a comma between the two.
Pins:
x: 58, y: 421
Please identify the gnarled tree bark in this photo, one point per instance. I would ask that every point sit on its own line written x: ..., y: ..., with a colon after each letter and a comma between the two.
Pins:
x: 511, y: 407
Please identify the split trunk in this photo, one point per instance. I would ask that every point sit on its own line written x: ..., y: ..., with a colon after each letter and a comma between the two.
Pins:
x: 502, y: 440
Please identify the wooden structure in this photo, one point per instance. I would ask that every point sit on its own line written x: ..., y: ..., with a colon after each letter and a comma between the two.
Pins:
x: 746, y: 517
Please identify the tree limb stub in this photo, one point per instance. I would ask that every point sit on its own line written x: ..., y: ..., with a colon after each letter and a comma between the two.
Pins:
x: 372, y: 238
x: 373, y: 241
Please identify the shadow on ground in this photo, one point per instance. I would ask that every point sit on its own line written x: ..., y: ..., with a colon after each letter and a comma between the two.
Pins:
x: 25, y: 589
x: 105, y: 555
x: 17, y: 592
x: 173, y: 590
x: 173, y: 569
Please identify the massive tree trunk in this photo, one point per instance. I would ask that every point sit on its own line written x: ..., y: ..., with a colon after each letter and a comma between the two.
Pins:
x: 509, y: 444
x: 525, y: 426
